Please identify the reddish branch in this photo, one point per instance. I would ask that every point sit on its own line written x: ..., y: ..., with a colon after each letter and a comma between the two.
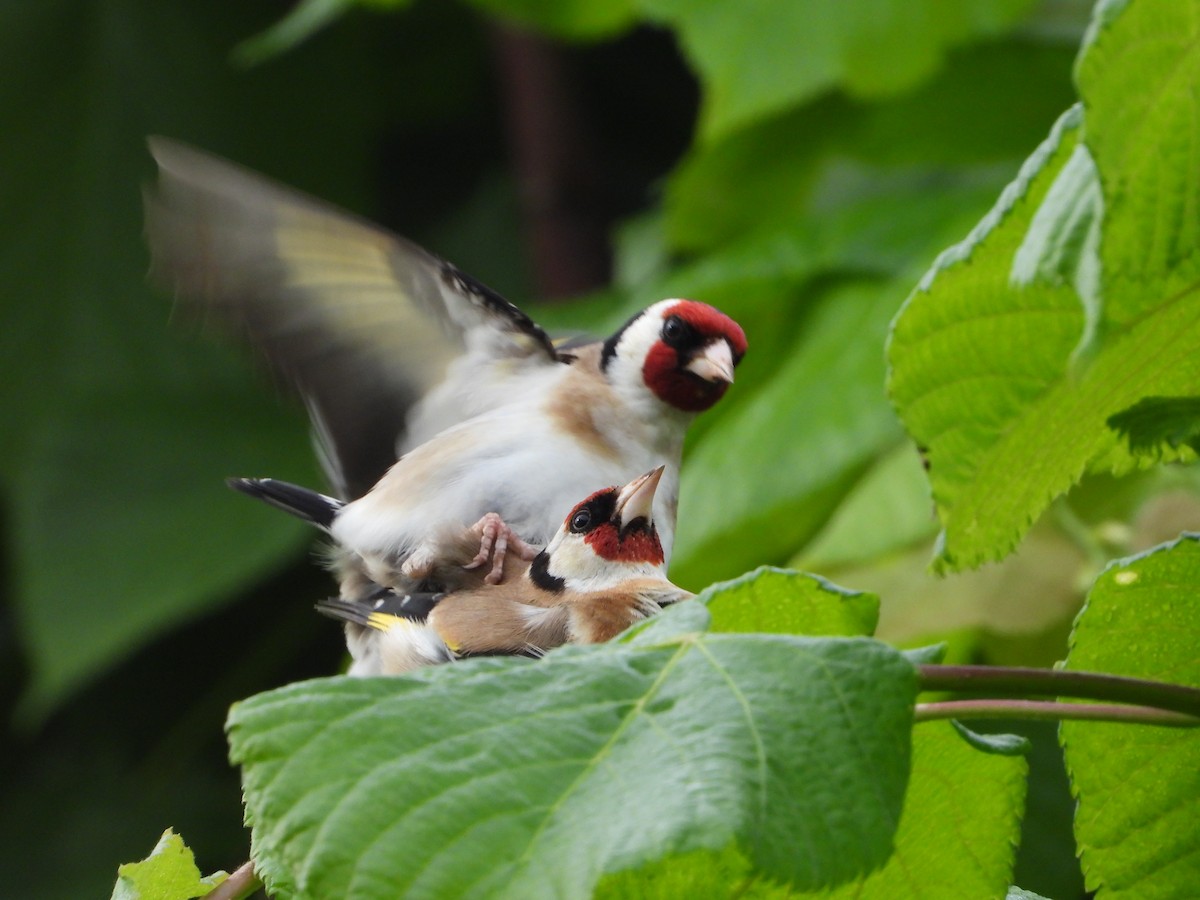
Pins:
x: 554, y: 163
x: 242, y: 883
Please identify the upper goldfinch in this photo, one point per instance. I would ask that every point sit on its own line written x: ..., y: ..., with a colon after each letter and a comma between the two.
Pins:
x: 434, y: 400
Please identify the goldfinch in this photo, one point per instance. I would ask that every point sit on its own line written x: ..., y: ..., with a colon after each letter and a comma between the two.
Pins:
x: 434, y: 400
x: 602, y: 572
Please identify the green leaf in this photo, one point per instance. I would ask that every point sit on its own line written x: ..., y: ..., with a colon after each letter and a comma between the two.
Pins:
x: 168, y: 873
x: 1138, y: 788
x: 778, y: 601
x: 959, y: 829
x: 547, y: 775
x: 968, y: 356
x: 1154, y: 421
x: 1073, y: 300
x: 758, y: 59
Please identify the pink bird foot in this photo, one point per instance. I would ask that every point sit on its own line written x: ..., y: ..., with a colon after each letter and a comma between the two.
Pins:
x: 496, y: 540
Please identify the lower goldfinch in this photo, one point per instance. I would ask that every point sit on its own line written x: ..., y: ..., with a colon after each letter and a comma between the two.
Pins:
x: 601, y: 572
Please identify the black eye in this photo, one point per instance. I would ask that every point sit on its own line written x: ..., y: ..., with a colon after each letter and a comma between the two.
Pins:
x: 675, y: 331
x: 581, y: 521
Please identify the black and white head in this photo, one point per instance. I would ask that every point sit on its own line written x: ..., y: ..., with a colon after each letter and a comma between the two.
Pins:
x: 684, y: 352
x: 607, y: 538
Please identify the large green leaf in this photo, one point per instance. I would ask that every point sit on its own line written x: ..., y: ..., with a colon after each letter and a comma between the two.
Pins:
x: 956, y: 837
x: 1073, y: 300
x: 887, y: 511
x: 549, y: 774
x: 1138, y: 788
x: 958, y: 832
x: 756, y: 59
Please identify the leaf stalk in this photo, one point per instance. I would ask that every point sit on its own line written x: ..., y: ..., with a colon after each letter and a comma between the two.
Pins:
x: 1051, y: 710
x: 1060, y: 683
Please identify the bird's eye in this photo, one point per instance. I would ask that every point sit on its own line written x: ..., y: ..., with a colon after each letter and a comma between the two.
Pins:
x: 580, y: 521
x: 674, y: 331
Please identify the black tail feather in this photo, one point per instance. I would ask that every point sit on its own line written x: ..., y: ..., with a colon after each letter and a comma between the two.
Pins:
x: 345, y: 611
x: 414, y: 607
x: 291, y: 498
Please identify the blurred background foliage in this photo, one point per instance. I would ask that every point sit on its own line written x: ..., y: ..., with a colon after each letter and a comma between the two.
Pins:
x: 795, y: 162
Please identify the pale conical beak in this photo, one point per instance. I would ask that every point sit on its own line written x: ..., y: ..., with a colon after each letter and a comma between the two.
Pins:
x: 714, y: 362
x: 636, y: 499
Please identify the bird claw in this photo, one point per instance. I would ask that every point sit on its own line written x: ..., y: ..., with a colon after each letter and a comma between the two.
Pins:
x: 496, y: 541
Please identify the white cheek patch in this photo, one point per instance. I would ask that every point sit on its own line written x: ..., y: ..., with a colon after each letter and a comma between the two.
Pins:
x: 636, y: 342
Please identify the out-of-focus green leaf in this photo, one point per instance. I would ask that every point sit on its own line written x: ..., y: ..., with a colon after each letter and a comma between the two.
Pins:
x: 889, y: 510
x: 1035, y: 590
x: 767, y: 174
x: 777, y: 601
x: 1138, y: 788
x: 121, y: 429
x: 168, y: 873
x: 1024, y: 339
x: 594, y: 760
x: 797, y: 444
x: 880, y: 234
x: 128, y: 528
x: 958, y: 832
x: 757, y: 59
x: 1023, y: 606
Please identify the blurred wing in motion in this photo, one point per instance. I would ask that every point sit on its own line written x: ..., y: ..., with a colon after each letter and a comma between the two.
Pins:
x: 362, y: 323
